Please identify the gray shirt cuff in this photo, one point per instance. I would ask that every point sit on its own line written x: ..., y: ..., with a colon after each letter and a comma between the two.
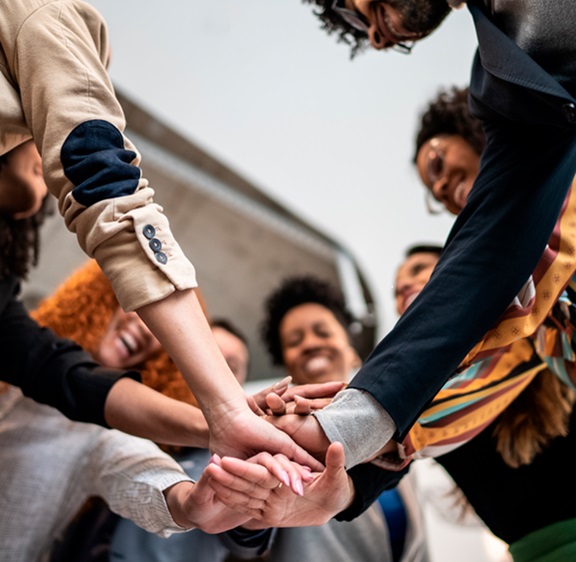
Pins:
x: 358, y: 421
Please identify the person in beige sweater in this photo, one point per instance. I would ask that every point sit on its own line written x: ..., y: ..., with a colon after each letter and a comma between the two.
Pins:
x: 56, y: 91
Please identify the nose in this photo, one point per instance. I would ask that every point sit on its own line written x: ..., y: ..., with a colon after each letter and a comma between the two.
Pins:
x: 440, y: 189
x: 311, y: 341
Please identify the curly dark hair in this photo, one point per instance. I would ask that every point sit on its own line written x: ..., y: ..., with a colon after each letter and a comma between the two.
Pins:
x: 332, y: 23
x: 448, y: 114
x: 293, y: 292
x: 417, y: 16
x: 20, y: 244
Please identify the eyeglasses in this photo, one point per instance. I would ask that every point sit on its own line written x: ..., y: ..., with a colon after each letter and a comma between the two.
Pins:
x: 359, y: 22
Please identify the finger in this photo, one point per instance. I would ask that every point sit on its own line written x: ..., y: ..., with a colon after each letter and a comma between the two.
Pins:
x: 242, y: 503
x: 278, y: 388
x: 254, y: 405
x: 276, y: 404
x: 335, y: 461
x: 304, y: 406
x: 288, y: 472
x: 319, y: 390
x: 239, y: 485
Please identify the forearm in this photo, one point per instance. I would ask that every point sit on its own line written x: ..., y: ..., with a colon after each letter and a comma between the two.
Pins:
x: 49, y: 369
x: 178, y: 321
x: 139, y: 410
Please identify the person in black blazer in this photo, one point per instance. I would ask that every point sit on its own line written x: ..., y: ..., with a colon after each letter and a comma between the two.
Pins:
x: 522, y: 88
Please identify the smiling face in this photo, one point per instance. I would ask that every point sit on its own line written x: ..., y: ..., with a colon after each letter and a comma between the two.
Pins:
x: 22, y: 186
x: 315, y: 346
x: 127, y: 343
x: 395, y: 22
x: 448, y: 166
x: 411, y: 278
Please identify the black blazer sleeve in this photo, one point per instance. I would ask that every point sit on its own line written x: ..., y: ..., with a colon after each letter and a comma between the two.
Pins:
x: 369, y: 482
x: 49, y: 369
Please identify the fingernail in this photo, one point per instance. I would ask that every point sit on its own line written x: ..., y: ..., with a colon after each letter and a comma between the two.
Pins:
x: 283, y: 383
x: 216, y: 459
x: 299, y: 488
x: 285, y: 478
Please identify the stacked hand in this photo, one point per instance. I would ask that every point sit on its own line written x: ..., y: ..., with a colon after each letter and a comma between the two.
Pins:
x: 264, y: 502
x: 196, y: 504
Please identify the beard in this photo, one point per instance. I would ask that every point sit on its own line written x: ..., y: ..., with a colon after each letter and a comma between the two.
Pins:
x: 420, y: 16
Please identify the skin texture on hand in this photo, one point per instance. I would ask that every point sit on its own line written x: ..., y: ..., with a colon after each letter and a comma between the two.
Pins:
x: 281, y: 399
x: 243, y: 434
x: 178, y: 322
x: 196, y: 506
x: 304, y: 430
x: 269, y: 505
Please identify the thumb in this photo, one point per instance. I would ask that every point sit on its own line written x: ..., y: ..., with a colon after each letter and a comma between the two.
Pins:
x: 335, y: 460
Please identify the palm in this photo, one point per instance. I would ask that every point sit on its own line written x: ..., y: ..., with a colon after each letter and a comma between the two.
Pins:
x: 208, y: 513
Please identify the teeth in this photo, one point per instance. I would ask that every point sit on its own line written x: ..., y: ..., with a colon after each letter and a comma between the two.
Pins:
x: 317, y: 364
x: 129, y: 342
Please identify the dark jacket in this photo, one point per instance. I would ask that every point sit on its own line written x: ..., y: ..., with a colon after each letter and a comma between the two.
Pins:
x: 49, y: 369
x: 525, y: 173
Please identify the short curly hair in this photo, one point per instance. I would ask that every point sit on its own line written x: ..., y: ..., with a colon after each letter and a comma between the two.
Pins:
x: 448, y: 114
x: 293, y: 292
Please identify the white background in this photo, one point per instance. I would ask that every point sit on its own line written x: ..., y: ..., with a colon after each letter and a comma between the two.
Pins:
x: 261, y: 87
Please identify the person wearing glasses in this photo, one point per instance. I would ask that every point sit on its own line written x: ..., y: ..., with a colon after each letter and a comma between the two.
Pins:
x: 497, y: 278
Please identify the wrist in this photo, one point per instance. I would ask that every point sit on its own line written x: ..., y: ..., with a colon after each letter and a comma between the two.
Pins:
x: 176, y: 497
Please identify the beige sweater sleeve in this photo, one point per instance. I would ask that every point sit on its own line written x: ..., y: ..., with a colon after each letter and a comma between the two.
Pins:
x: 56, y: 54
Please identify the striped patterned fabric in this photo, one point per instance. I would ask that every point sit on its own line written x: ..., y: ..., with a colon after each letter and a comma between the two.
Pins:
x: 535, y: 333
x: 552, y: 275
x: 474, y: 397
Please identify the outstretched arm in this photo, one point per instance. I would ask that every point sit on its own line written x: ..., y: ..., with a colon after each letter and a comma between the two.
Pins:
x: 234, y: 429
x: 139, y: 410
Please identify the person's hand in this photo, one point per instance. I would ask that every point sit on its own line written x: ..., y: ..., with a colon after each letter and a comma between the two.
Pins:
x: 239, y: 432
x: 305, y: 431
x: 328, y: 493
x: 303, y: 399
x: 195, y: 505
x: 257, y: 401
x: 281, y: 398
